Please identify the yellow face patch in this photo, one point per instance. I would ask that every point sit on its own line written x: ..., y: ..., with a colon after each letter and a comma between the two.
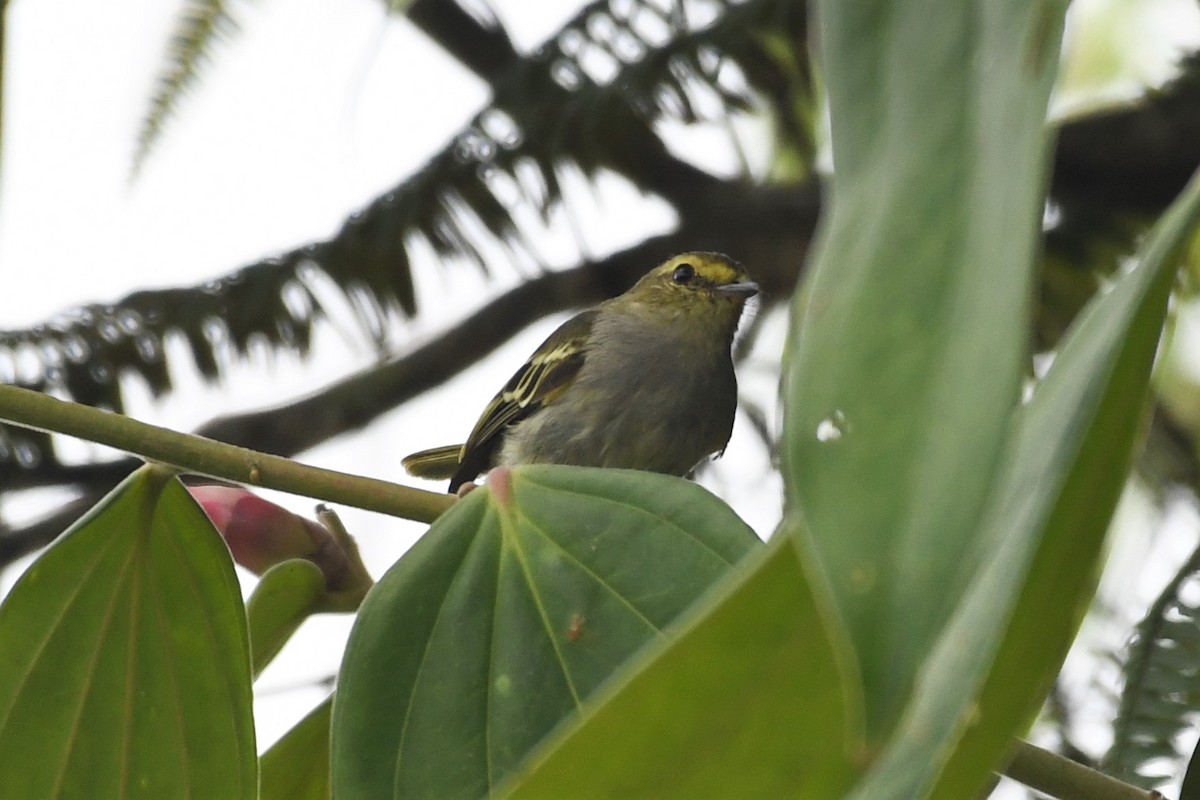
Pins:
x: 710, y: 271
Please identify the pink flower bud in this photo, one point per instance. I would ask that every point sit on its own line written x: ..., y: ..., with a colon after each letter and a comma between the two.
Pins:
x: 261, y: 534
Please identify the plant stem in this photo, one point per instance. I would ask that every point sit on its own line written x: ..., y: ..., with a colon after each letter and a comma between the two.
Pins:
x: 1065, y: 779
x: 216, y: 459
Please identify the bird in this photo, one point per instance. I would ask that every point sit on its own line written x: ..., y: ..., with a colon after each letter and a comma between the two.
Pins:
x: 644, y: 380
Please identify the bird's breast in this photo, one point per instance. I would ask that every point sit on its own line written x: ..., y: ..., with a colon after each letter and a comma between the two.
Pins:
x: 653, y: 402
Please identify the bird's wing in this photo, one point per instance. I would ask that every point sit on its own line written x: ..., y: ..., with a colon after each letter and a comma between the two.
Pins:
x: 546, y: 375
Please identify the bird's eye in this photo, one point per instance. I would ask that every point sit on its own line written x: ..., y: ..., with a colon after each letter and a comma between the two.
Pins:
x: 683, y: 273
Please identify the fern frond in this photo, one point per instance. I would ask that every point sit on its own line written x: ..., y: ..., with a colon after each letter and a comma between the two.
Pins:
x: 201, y: 25
x: 1161, y: 692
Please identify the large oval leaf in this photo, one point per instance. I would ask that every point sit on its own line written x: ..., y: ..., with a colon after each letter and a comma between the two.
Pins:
x: 755, y: 696
x: 514, y: 607
x: 124, y: 663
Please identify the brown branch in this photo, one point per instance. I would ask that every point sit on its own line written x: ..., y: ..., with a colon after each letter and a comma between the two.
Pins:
x: 1135, y: 157
x: 18, y: 542
x: 484, y: 49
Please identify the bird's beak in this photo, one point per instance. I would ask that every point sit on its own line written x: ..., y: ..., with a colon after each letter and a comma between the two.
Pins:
x: 743, y: 289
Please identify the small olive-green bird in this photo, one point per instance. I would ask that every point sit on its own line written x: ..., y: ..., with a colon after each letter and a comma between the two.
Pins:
x: 642, y: 381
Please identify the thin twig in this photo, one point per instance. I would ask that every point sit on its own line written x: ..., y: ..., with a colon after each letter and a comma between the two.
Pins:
x: 216, y: 459
x: 1062, y: 778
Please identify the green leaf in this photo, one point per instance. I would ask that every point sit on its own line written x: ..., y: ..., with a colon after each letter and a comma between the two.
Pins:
x: 125, y: 669
x: 514, y: 608
x: 286, y: 595
x: 297, y: 766
x: 1059, y: 483
x: 755, y: 697
x: 910, y: 343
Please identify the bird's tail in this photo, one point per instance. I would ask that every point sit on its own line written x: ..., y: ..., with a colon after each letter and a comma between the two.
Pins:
x: 438, y: 463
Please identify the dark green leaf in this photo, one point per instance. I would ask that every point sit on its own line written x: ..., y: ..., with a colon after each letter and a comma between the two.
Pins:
x: 1191, y: 779
x: 125, y: 668
x: 1058, y: 484
x: 910, y: 343
x: 514, y: 608
x: 755, y: 697
x: 297, y: 766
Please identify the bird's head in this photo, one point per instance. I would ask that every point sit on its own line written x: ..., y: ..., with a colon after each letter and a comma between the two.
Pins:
x: 699, y: 286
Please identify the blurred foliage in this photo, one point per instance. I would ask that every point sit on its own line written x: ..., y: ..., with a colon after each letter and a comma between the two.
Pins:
x: 1161, y: 684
